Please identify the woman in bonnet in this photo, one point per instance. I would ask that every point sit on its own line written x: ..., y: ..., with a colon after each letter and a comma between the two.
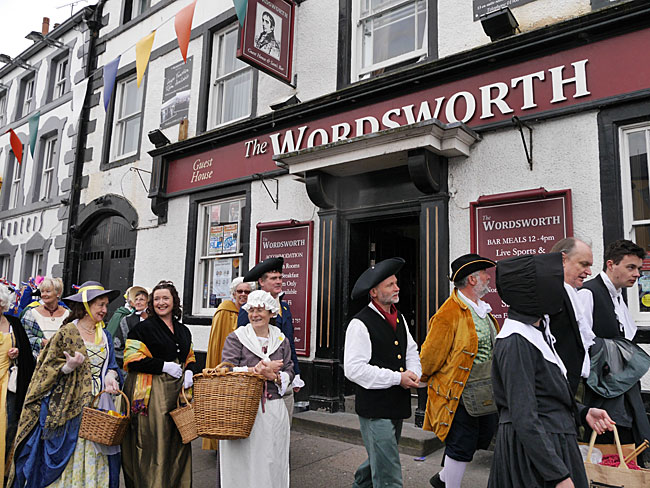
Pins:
x: 263, y: 349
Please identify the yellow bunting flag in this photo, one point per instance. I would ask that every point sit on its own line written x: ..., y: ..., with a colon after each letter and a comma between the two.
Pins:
x: 142, y: 53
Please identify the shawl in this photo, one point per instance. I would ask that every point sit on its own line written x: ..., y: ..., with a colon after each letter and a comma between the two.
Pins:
x: 249, y: 340
x: 223, y: 323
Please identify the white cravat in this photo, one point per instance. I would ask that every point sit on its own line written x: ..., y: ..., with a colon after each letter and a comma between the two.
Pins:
x: 626, y: 324
x: 481, y: 308
x: 586, y: 334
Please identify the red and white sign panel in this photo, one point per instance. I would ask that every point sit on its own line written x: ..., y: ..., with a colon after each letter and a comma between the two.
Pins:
x: 293, y: 241
x: 266, y: 39
x: 516, y: 224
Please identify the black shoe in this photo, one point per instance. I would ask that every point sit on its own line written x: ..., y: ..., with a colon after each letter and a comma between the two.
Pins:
x: 436, y: 482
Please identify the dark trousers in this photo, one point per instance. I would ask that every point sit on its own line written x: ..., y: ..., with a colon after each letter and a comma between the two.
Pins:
x: 469, y: 434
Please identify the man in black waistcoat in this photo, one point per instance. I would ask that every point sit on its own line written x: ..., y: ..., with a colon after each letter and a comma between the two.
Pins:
x: 382, y: 359
x: 607, y: 313
x: 572, y: 336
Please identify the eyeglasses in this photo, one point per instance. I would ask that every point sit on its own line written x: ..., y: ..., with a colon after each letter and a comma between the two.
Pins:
x: 243, y: 292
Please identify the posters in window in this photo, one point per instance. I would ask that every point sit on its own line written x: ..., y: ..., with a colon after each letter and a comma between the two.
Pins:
x: 230, y: 238
x: 216, y: 239
x: 215, y: 214
x: 266, y: 41
x: 484, y: 7
x: 221, y: 278
x: 176, y: 93
x: 234, y: 212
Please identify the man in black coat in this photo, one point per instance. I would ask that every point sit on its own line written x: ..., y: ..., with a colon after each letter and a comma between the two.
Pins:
x: 573, y: 336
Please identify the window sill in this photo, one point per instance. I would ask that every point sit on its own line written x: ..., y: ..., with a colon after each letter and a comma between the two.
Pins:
x: 107, y: 165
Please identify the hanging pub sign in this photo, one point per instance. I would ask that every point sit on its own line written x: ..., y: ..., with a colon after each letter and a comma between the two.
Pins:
x: 266, y: 41
x: 294, y: 242
x: 517, y: 224
x: 176, y: 93
x: 484, y: 7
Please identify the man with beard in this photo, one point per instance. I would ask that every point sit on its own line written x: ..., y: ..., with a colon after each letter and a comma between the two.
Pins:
x: 381, y: 358
x: 461, y: 335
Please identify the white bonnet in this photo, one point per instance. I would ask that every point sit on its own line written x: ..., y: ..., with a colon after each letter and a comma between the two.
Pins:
x: 264, y: 299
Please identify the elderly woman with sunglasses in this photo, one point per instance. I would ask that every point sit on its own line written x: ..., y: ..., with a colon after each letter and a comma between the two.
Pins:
x: 159, y: 361
x: 263, y: 349
x: 223, y: 323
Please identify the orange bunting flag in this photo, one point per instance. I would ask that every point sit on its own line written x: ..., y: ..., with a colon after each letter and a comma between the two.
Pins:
x: 142, y: 53
x: 16, y: 145
x: 183, y: 26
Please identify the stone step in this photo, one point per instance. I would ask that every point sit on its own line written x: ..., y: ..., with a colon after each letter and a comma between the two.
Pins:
x: 345, y: 427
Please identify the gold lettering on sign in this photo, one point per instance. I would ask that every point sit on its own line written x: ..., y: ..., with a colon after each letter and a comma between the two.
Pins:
x: 201, y: 170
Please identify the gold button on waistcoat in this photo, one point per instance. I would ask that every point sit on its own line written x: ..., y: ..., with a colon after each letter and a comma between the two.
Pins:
x: 397, y: 343
x: 399, y: 356
x: 401, y: 370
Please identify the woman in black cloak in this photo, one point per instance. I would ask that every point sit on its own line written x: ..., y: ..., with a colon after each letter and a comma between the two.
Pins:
x: 536, y: 443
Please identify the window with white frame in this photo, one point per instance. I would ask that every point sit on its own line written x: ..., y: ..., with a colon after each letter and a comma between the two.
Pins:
x: 28, y: 95
x: 385, y: 33
x: 47, y: 174
x: 133, y: 8
x: 3, y: 108
x: 635, y: 141
x: 14, y: 189
x: 60, y: 78
x: 218, y: 251
x: 231, y: 91
x: 37, y: 264
x: 127, y: 118
x: 5, y: 261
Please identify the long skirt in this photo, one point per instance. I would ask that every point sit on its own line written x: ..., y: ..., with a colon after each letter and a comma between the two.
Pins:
x: 512, y: 465
x: 153, y: 454
x: 261, y: 460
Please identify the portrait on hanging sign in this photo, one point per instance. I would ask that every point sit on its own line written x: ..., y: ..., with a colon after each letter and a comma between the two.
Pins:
x: 268, y: 31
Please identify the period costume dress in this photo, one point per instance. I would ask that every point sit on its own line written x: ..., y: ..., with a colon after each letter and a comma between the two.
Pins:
x: 263, y: 458
x: 223, y: 323
x: 39, y: 327
x: 536, y: 443
x: 153, y: 454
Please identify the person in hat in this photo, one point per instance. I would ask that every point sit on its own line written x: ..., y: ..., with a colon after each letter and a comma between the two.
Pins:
x: 268, y: 275
x: 262, y: 459
x: 381, y: 359
x: 461, y: 335
x: 139, y: 297
x: 75, y: 365
x: 159, y: 360
x: 536, y: 442
x: 121, y: 312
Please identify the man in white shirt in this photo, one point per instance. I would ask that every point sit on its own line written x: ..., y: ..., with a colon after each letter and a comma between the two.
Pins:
x: 382, y: 359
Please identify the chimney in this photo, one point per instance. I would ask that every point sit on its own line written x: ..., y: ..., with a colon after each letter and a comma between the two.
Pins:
x: 46, y: 26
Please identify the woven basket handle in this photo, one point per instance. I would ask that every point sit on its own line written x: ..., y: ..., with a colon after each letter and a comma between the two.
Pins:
x: 219, y: 369
x: 178, y: 400
x: 128, y: 403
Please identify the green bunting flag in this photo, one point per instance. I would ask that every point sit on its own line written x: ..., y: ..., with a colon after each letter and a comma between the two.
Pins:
x: 240, y: 10
x: 33, y: 131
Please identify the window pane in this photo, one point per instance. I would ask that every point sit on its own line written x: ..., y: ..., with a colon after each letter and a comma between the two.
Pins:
x: 132, y: 102
x: 639, y: 175
x: 229, y: 62
x: 131, y: 135
x: 236, y: 96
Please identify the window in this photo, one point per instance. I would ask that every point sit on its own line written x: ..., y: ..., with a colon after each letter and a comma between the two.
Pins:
x: 128, y: 118
x: 636, y: 207
x: 47, y: 175
x: 219, y: 252
x: 133, y: 8
x: 4, y: 267
x: 231, y: 93
x: 14, y: 189
x: 60, y: 75
x: 27, y: 95
x: 37, y: 264
x: 385, y: 33
x: 3, y: 108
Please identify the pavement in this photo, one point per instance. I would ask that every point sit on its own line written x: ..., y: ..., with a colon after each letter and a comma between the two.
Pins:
x: 330, y: 463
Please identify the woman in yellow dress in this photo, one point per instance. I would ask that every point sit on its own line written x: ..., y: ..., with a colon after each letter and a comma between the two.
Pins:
x: 75, y: 365
x: 223, y: 323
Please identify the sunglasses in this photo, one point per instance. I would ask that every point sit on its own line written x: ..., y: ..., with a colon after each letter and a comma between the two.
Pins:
x: 243, y: 292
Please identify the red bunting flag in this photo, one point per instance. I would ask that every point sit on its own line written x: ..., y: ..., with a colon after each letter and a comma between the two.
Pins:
x: 183, y: 26
x: 16, y: 145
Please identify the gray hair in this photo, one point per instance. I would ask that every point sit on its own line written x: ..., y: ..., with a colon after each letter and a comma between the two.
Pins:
x: 50, y: 283
x: 568, y: 245
x: 6, y: 298
x: 462, y: 283
x: 238, y: 281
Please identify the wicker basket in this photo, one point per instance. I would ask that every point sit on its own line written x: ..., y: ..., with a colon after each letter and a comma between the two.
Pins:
x: 183, y: 417
x: 226, y: 403
x: 102, y: 428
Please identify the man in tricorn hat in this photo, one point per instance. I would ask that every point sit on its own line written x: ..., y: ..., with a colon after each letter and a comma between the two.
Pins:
x: 461, y: 335
x: 381, y: 358
x: 268, y: 275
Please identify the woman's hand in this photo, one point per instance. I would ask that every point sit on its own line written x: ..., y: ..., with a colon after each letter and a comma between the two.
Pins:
x: 567, y: 483
x: 267, y: 369
x: 172, y: 369
x: 13, y: 353
x: 111, y: 385
x: 188, y: 380
x: 72, y: 362
x: 599, y: 421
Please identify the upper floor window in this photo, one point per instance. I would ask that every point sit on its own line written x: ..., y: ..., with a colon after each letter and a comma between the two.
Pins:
x: 5, y: 261
x: 3, y: 108
x: 385, y: 33
x: 60, y: 75
x: 14, y: 189
x: 231, y: 93
x: 133, y: 8
x: 27, y: 87
x: 127, y: 118
x: 47, y: 175
x: 36, y: 268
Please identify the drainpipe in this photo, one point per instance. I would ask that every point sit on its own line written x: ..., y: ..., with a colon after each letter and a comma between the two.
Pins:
x: 93, y: 18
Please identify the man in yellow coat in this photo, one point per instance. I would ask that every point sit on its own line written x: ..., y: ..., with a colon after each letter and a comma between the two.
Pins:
x: 460, y: 335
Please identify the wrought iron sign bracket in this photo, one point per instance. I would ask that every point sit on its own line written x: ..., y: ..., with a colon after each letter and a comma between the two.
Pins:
x: 276, y: 200
x: 517, y: 122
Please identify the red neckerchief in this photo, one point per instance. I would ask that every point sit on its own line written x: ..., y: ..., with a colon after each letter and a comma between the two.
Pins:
x: 391, y: 317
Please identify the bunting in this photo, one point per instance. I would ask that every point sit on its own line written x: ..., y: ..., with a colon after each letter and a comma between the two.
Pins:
x: 33, y: 131
x: 183, y: 26
x: 240, y: 10
x: 16, y: 145
x: 142, y: 54
x: 110, y: 73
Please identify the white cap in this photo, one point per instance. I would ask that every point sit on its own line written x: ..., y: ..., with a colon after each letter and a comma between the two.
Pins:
x: 264, y: 299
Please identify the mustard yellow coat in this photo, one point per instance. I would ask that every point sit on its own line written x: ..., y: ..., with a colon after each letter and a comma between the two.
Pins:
x: 447, y: 356
x: 223, y: 323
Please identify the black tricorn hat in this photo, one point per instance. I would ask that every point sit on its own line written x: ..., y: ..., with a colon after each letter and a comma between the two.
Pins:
x: 532, y: 284
x: 468, y: 264
x: 375, y: 275
x: 266, y: 266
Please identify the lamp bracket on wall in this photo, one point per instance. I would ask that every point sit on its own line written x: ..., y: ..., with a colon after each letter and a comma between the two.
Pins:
x: 517, y: 122
x: 276, y: 200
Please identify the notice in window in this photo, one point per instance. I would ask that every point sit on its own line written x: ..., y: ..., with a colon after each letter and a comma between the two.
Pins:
x: 230, y: 238
x: 294, y: 243
x: 505, y: 228
x: 176, y: 93
x: 221, y: 278
x: 484, y: 7
x: 216, y: 239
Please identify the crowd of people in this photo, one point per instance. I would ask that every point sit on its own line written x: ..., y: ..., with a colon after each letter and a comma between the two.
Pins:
x: 561, y: 365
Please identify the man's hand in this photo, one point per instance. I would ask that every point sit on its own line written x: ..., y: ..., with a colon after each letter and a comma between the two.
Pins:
x: 567, y: 483
x: 599, y: 420
x: 409, y: 380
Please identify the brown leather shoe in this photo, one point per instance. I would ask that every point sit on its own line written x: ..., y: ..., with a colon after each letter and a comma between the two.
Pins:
x: 436, y: 482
